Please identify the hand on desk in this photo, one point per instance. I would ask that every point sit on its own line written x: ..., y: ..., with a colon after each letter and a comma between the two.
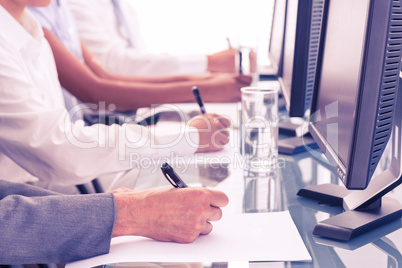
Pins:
x: 223, y: 61
x: 168, y: 214
x: 223, y: 87
x: 213, y: 132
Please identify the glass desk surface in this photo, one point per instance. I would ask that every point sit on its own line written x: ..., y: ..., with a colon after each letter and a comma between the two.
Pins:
x: 276, y: 191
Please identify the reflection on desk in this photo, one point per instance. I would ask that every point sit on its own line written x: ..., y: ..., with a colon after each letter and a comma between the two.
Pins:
x: 262, y: 192
x: 254, y: 193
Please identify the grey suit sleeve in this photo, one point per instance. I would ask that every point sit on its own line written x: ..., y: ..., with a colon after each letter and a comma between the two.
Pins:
x: 38, y: 226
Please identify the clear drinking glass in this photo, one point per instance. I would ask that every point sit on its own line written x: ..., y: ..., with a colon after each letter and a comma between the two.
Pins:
x: 259, y: 128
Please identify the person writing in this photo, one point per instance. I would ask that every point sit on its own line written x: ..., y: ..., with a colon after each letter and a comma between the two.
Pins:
x: 81, y: 74
x: 64, y: 228
x: 38, y: 141
x: 110, y: 30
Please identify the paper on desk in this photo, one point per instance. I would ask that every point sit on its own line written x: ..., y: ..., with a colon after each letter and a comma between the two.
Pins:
x: 237, y: 237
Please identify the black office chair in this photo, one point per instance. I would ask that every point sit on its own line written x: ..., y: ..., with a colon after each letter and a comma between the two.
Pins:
x: 83, y: 189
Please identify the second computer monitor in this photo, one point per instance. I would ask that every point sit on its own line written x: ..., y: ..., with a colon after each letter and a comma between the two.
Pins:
x: 305, y: 23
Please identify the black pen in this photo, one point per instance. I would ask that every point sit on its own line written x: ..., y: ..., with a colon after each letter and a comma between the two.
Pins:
x: 240, y: 62
x: 172, y: 177
x: 197, y: 95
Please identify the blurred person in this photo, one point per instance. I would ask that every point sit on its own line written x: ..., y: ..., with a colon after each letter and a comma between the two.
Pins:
x: 110, y: 30
x: 38, y: 141
x: 81, y: 74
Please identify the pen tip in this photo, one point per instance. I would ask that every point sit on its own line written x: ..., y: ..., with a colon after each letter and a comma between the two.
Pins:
x: 195, y: 88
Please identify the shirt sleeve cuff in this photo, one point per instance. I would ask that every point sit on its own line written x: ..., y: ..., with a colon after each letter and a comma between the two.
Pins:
x: 193, y: 64
x: 177, y: 138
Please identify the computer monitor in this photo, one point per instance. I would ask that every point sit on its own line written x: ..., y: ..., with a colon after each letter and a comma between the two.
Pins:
x: 305, y: 23
x: 354, y: 112
x: 275, y: 46
x: 301, y: 52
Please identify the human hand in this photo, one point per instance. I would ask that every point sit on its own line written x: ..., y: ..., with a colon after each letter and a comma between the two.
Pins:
x: 212, y: 130
x: 223, y: 61
x: 168, y: 214
x: 224, y: 87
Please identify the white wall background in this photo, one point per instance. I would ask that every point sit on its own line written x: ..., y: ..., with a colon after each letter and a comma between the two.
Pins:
x: 189, y: 26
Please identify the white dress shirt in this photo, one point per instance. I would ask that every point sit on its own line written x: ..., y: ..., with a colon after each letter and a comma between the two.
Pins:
x: 37, y: 138
x: 57, y: 19
x: 101, y: 32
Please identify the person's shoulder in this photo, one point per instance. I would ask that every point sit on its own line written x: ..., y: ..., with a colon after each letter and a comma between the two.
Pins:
x: 5, y: 45
x: 11, y: 56
x: 7, y: 28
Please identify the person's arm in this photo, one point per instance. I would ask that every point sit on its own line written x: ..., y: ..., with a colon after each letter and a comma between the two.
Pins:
x: 96, y: 67
x: 77, y: 78
x: 41, y: 139
x: 38, y: 226
x: 110, y: 48
x: 88, y: 87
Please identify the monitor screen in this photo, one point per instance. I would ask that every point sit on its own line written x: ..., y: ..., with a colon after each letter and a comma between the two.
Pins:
x: 341, y: 71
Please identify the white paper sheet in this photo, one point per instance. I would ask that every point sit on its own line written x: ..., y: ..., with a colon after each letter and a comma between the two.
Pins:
x: 237, y: 237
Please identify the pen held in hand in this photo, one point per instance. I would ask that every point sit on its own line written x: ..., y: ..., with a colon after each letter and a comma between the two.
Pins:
x: 172, y: 176
x: 240, y: 62
x: 198, y: 98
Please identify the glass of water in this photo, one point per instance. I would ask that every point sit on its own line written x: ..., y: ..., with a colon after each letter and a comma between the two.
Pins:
x: 259, y: 128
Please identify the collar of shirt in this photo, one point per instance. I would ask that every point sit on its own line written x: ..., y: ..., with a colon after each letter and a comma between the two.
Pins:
x: 29, y: 35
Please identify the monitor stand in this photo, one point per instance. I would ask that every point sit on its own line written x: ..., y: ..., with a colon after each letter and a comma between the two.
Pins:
x: 364, y: 209
x: 293, y: 127
x: 300, y: 140
x: 296, y: 145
